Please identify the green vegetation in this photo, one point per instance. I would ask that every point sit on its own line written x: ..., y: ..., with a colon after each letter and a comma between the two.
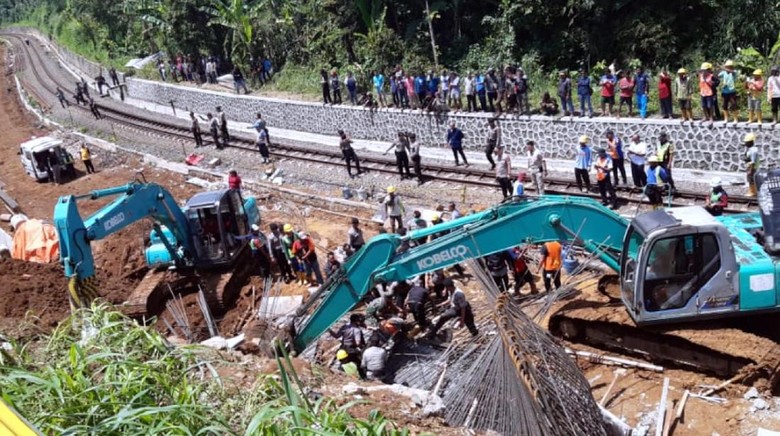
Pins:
x: 127, y: 379
x: 302, y: 36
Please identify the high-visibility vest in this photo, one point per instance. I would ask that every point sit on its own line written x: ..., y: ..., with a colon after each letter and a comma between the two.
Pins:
x: 553, y: 260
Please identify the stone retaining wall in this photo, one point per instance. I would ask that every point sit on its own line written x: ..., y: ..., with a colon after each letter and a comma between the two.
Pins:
x: 698, y: 147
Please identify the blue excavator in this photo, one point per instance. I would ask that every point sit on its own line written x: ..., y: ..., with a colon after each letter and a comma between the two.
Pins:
x: 673, y: 266
x: 203, y: 240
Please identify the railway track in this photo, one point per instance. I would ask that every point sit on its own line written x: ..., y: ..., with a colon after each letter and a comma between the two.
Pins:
x: 155, y: 125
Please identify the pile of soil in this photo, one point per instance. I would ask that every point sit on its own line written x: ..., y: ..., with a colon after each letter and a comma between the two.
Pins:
x: 38, y: 292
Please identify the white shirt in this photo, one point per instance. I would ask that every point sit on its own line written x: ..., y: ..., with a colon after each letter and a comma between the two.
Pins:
x: 394, y: 206
x: 773, y: 87
x: 637, y: 153
x: 503, y: 166
x: 535, y: 161
x: 468, y: 86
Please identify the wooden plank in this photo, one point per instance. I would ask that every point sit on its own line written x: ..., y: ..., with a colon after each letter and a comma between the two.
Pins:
x: 9, y: 202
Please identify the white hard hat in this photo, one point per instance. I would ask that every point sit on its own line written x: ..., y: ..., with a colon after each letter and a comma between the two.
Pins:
x: 255, y: 228
x: 715, y: 182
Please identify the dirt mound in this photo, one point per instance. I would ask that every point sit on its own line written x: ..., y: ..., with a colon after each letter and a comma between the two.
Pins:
x: 40, y: 290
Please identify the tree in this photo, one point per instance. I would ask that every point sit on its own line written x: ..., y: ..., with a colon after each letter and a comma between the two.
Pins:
x: 237, y: 18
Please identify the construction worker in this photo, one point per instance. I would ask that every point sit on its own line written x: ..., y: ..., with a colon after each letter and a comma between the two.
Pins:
x: 279, y: 253
x: 347, y: 365
x: 582, y: 164
x: 755, y: 88
x: 615, y: 151
x: 521, y: 273
x: 86, y: 157
x: 718, y: 200
x: 656, y: 180
x: 498, y: 266
x: 381, y: 308
x: 550, y: 265
x: 603, y: 166
x: 394, y: 208
x: 289, y: 238
x: 415, y: 303
x: 374, y: 360
x: 458, y: 307
x: 401, y: 146
x: 666, y: 158
x: 351, y: 335
x: 683, y: 89
x: 728, y: 80
x: 306, y: 251
x: 355, y: 238
x: 752, y: 162
x: 707, y: 91
x: 258, y: 244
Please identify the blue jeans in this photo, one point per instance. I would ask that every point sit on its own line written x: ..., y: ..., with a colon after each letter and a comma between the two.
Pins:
x: 641, y: 103
x: 567, y: 107
x: 585, y: 99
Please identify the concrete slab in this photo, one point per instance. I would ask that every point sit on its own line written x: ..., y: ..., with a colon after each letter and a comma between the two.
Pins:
x: 276, y: 306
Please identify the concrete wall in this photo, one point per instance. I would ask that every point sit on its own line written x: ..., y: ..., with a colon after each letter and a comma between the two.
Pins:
x: 698, y: 147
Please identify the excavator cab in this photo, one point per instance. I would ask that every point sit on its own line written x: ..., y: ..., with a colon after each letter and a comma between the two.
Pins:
x: 220, y: 226
x: 677, y: 264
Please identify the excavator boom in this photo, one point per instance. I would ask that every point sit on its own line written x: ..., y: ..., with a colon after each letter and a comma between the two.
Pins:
x: 595, y: 227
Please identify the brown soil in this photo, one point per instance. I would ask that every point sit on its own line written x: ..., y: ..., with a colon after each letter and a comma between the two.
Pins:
x: 37, y: 292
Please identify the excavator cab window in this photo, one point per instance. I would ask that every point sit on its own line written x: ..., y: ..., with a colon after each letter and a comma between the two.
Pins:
x: 631, y: 244
x: 209, y: 242
x: 677, y: 267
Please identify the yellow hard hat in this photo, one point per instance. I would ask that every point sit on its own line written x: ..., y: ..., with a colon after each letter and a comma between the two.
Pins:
x: 435, y: 217
x: 749, y: 137
x: 706, y: 66
x: 341, y: 355
x: 653, y: 159
x: 390, y: 189
x: 584, y: 139
x: 288, y: 228
x: 682, y: 71
x: 729, y: 63
x: 758, y: 72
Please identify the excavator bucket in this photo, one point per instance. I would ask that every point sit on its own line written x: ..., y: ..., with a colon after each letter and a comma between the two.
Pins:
x: 12, y: 424
x: 81, y: 293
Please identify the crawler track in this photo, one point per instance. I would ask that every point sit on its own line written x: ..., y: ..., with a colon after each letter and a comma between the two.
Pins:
x: 165, y: 128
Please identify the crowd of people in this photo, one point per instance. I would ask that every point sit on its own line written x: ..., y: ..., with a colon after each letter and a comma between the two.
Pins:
x: 506, y: 90
x: 206, y: 69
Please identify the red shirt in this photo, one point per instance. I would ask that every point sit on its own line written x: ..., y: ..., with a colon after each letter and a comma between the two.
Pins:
x: 608, y: 89
x: 626, y: 87
x: 665, y: 87
x: 234, y: 182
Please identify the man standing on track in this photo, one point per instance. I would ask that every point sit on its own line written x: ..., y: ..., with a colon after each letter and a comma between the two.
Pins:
x: 414, y: 153
x: 348, y: 153
x: 223, y: 128
x: 550, y: 264
x: 455, y: 141
x: 93, y: 107
x: 582, y: 164
x: 214, y: 130
x: 503, y: 169
x: 493, y: 141
x: 394, y: 208
x: 196, y: 130
x: 537, y: 166
x: 752, y: 161
x: 603, y: 167
x: 61, y: 97
x: 401, y: 156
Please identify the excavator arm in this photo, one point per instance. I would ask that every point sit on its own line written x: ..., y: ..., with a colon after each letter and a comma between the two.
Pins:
x: 580, y: 220
x: 137, y: 200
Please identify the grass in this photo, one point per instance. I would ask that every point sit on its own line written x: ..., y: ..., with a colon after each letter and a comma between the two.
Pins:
x: 126, y: 379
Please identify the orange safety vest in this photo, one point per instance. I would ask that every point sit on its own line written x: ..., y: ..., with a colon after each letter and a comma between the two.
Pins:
x: 553, y: 260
